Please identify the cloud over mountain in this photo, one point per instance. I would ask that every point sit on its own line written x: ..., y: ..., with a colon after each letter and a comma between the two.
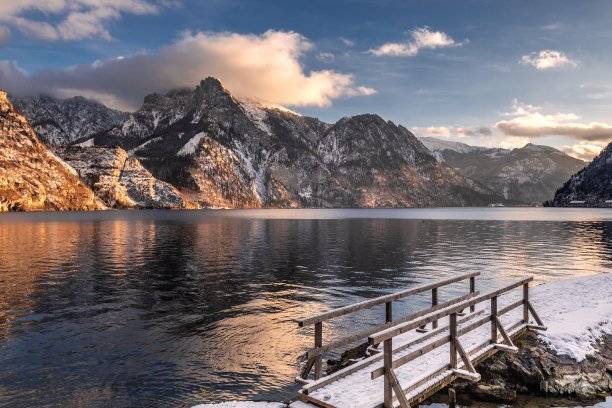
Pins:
x: 528, y: 121
x: 267, y: 67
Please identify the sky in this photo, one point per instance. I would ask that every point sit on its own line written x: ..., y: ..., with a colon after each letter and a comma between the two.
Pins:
x: 491, y: 73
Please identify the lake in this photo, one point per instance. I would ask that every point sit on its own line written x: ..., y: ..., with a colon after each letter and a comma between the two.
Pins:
x: 165, y: 308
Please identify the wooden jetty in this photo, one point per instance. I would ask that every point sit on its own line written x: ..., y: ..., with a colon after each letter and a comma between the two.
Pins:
x: 421, y: 352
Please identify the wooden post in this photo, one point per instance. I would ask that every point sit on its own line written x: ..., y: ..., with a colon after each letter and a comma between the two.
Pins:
x: 494, y: 319
x: 472, y: 290
x: 453, y: 339
x: 318, y: 343
x: 526, y: 303
x: 434, y: 302
x: 452, y: 398
x: 389, y: 312
x: 388, y: 360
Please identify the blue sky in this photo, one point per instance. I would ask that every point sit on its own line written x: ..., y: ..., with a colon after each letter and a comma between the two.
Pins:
x: 481, y: 72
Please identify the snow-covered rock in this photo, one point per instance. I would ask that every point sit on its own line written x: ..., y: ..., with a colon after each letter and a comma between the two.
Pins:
x: 118, y: 180
x: 32, y: 177
x: 64, y: 121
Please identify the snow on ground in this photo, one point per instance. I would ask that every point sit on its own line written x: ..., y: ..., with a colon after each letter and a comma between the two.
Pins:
x: 243, y: 404
x: 577, y: 312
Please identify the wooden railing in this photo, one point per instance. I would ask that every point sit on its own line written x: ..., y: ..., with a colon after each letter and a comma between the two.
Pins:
x: 314, y: 355
x: 391, y: 383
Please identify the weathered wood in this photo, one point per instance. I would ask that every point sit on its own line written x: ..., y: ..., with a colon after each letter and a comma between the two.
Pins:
x: 502, y: 331
x: 380, y: 300
x: 434, y: 302
x: 389, y: 312
x: 405, y: 327
x: 307, y: 367
x: 365, y: 333
x: 525, y: 303
x: 464, y: 357
x: 388, y: 363
x: 467, y: 375
x: 494, y: 319
x: 472, y: 290
x: 307, y: 398
x: 318, y: 343
x: 399, y: 393
x: 535, y: 314
x: 506, y: 348
x: 452, y: 398
x: 537, y: 327
x: 411, y: 356
x: 453, y: 340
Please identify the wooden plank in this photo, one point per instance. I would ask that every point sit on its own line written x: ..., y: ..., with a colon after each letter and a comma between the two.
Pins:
x: 494, y: 319
x: 502, y: 331
x: 365, y: 333
x: 453, y: 341
x: 537, y: 327
x: 435, y: 332
x: 388, y: 383
x: 405, y: 327
x: 314, y: 385
x: 307, y: 398
x: 389, y: 312
x: 399, y: 393
x: 467, y: 375
x: 318, y: 343
x: 411, y: 356
x: 506, y: 348
x: 472, y: 290
x: 307, y: 367
x: 434, y: 302
x: 525, y: 303
x: 466, y: 359
x: 535, y: 314
x: 380, y: 300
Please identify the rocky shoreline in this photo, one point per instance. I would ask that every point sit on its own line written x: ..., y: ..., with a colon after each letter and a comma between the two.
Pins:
x: 534, y: 374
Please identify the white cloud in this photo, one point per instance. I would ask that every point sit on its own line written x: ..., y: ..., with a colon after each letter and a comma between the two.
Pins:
x: 346, y: 41
x: 451, y: 132
x: 547, y: 59
x: 422, y: 38
x: 528, y: 121
x: 5, y: 34
x: 266, y: 67
x: 79, y: 19
x: 325, y: 56
x: 585, y: 150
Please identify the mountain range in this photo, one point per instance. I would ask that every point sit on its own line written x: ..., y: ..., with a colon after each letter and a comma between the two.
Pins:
x: 203, y: 147
x: 527, y: 175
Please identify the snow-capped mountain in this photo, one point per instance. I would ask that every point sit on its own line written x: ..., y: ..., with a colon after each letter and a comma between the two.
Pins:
x: 222, y: 151
x: 62, y: 121
x: 593, y: 184
x: 528, y: 175
x: 31, y: 176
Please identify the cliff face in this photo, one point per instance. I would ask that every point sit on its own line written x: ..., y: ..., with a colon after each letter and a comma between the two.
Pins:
x: 118, y: 180
x: 528, y: 175
x: 31, y: 177
x: 593, y: 184
x: 221, y: 151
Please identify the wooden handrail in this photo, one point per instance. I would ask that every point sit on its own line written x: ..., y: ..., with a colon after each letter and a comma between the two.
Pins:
x: 394, y: 331
x: 380, y: 300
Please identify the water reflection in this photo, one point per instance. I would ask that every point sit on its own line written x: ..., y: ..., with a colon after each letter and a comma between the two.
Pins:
x: 168, y: 308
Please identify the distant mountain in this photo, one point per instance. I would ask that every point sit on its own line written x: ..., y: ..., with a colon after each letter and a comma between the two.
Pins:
x: 222, y: 151
x: 62, y: 121
x: 528, y: 175
x: 593, y: 184
x: 31, y: 177
x: 118, y: 180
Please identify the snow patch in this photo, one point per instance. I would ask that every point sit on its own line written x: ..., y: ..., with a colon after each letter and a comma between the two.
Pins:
x: 87, y: 143
x: 192, y: 144
x: 145, y: 144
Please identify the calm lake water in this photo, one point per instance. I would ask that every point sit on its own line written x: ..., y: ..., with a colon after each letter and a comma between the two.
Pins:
x: 165, y: 308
